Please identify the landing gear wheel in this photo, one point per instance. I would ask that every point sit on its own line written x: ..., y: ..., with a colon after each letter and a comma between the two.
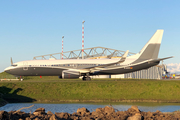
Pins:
x: 86, y: 78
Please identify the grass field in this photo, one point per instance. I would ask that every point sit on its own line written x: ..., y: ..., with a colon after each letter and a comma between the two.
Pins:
x: 52, y: 89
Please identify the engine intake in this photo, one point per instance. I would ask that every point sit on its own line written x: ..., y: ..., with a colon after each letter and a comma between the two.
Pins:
x: 70, y: 74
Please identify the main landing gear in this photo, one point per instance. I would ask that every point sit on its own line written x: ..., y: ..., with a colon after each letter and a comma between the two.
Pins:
x: 86, y: 77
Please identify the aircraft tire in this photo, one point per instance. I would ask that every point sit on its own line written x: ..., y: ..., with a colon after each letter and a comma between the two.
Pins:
x: 84, y: 78
x: 88, y: 78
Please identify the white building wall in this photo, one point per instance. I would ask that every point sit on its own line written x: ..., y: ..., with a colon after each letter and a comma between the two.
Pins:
x: 101, y: 76
x: 117, y: 76
x: 150, y: 73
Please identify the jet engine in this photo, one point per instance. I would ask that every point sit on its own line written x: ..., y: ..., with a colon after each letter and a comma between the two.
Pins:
x: 70, y: 74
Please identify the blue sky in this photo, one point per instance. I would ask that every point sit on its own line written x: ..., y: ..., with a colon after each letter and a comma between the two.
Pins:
x: 32, y: 28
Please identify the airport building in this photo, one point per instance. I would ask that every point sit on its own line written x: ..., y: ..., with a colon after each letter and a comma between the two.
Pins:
x: 155, y: 72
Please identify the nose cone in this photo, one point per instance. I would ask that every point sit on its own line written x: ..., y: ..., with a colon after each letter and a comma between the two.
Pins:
x: 9, y: 70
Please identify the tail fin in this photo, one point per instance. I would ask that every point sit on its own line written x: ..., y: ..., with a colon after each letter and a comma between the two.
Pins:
x: 151, y: 49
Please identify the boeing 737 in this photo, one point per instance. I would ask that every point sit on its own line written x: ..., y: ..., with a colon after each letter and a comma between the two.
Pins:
x: 75, y: 68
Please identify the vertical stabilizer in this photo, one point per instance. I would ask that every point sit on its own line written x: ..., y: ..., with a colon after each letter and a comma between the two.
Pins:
x: 151, y: 49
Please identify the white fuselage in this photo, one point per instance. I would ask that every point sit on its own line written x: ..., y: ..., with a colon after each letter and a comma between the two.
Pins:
x: 55, y: 67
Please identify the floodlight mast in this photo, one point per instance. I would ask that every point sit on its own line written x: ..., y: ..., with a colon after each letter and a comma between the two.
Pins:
x: 83, y: 39
x: 62, y: 48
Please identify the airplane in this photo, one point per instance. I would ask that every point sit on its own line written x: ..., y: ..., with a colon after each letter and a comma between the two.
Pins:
x: 75, y: 68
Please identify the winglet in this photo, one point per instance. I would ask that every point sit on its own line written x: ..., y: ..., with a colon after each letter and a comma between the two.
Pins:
x: 123, y: 57
x: 11, y: 61
x: 125, y: 54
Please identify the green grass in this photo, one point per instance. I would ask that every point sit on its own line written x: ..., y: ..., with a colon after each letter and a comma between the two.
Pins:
x: 55, y: 90
x: 4, y: 75
x: 2, y: 102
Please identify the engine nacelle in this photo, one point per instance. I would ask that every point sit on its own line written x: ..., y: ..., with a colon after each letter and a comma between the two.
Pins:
x: 70, y: 74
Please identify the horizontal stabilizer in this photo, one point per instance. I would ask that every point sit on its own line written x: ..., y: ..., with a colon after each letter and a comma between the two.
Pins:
x: 160, y: 59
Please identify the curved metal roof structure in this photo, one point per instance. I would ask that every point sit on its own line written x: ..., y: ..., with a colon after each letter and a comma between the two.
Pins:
x: 89, y: 53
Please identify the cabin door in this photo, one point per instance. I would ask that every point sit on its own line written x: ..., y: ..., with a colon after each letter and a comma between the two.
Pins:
x: 25, y: 65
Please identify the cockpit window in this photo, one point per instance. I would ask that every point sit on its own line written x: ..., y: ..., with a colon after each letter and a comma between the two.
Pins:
x: 14, y: 65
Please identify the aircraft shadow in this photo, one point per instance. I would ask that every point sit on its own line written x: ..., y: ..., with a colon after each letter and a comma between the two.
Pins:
x: 12, y: 97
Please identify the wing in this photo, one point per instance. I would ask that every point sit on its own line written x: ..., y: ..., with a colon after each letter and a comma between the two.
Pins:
x: 101, y: 67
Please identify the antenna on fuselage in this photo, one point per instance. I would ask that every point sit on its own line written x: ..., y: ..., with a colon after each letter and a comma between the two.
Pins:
x: 11, y: 61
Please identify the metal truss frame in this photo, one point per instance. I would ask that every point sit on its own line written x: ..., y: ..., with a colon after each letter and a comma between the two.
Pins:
x: 93, y: 53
